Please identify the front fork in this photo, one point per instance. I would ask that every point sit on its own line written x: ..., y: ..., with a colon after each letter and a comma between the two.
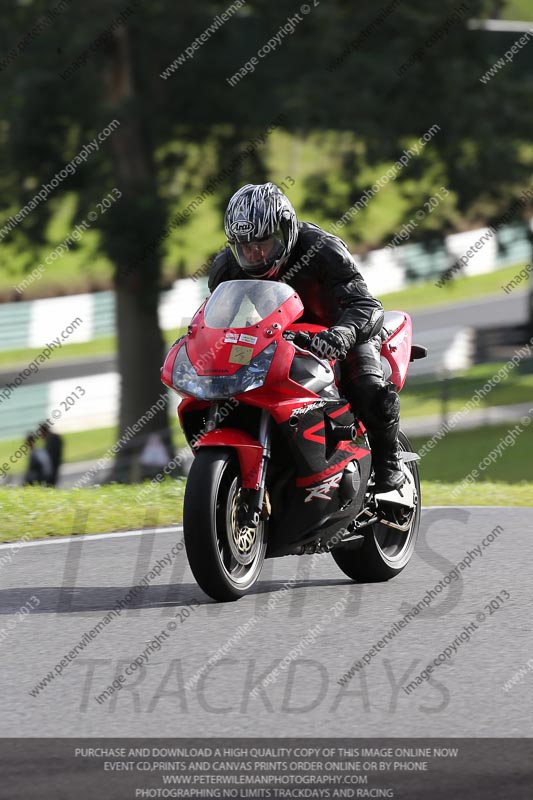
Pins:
x: 213, y: 417
x: 256, y: 497
x: 253, y: 512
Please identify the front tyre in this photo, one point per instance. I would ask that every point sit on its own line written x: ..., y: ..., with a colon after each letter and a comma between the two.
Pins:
x: 386, y: 551
x: 225, y: 557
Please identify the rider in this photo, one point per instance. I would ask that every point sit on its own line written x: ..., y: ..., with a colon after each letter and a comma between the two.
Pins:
x: 267, y: 241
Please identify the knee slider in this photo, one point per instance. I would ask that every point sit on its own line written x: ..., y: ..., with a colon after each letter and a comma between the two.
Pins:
x: 378, y: 402
x: 388, y: 401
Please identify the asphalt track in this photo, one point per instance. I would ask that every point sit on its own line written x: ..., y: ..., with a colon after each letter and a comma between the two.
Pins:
x: 75, y: 583
x: 511, y: 309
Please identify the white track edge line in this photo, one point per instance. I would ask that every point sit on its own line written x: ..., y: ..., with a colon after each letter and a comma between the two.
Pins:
x: 175, y: 529
x: 90, y: 537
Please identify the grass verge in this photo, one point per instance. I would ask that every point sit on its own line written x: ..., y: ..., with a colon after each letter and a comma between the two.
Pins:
x: 35, y: 513
x: 474, y: 287
x: 458, y: 453
x: 423, y: 396
x: 82, y: 445
x: 103, y: 346
x: 518, y: 9
x: 488, y: 493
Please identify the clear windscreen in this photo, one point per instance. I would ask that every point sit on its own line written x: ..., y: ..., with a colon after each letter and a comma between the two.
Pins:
x: 239, y: 304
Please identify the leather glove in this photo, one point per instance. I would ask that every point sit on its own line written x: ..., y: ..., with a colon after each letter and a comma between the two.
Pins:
x: 333, y: 343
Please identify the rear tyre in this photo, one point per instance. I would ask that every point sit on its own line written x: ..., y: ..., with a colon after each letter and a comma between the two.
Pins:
x: 225, y: 558
x: 385, y: 551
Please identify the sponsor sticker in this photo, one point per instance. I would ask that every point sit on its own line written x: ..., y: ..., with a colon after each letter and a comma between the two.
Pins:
x: 245, y: 337
x: 240, y: 354
x: 231, y: 337
x: 242, y: 226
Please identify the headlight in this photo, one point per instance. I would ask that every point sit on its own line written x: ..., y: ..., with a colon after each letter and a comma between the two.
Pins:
x: 216, y: 387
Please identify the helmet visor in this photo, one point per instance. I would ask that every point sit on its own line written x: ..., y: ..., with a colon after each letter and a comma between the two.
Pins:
x: 258, y: 256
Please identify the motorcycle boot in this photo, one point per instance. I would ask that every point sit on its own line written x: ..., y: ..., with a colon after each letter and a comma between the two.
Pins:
x: 388, y: 472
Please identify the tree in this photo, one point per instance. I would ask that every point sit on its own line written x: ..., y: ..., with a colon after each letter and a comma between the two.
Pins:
x: 140, y: 342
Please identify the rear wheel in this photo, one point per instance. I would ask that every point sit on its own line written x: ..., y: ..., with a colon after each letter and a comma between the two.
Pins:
x: 386, y: 550
x: 225, y: 557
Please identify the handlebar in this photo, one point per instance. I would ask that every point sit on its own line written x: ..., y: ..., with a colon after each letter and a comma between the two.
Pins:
x: 302, y: 339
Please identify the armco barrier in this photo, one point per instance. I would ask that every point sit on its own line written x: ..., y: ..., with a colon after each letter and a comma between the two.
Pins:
x: 29, y: 324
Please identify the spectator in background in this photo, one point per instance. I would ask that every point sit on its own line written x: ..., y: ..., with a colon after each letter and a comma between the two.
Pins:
x: 53, y: 446
x: 39, y: 470
x: 154, y: 456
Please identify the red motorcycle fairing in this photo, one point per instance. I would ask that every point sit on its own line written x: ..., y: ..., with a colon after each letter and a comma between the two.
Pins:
x: 396, y: 348
x: 249, y: 452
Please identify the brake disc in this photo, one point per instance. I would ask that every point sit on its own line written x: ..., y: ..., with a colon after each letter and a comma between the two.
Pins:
x: 243, y: 540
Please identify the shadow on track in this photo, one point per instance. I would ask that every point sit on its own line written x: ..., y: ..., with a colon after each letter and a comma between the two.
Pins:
x: 80, y: 599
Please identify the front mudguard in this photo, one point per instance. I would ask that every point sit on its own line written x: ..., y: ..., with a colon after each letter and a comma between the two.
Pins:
x: 249, y: 452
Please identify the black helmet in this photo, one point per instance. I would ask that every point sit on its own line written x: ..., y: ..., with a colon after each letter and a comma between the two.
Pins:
x: 262, y: 229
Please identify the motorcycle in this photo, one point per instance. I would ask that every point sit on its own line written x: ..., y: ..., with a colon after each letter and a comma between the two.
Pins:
x: 281, y: 466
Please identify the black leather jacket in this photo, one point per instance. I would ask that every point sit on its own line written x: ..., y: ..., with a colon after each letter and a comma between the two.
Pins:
x: 323, y: 272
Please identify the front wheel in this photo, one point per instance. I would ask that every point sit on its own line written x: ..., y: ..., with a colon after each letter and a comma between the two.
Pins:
x: 225, y: 557
x: 386, y: 550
